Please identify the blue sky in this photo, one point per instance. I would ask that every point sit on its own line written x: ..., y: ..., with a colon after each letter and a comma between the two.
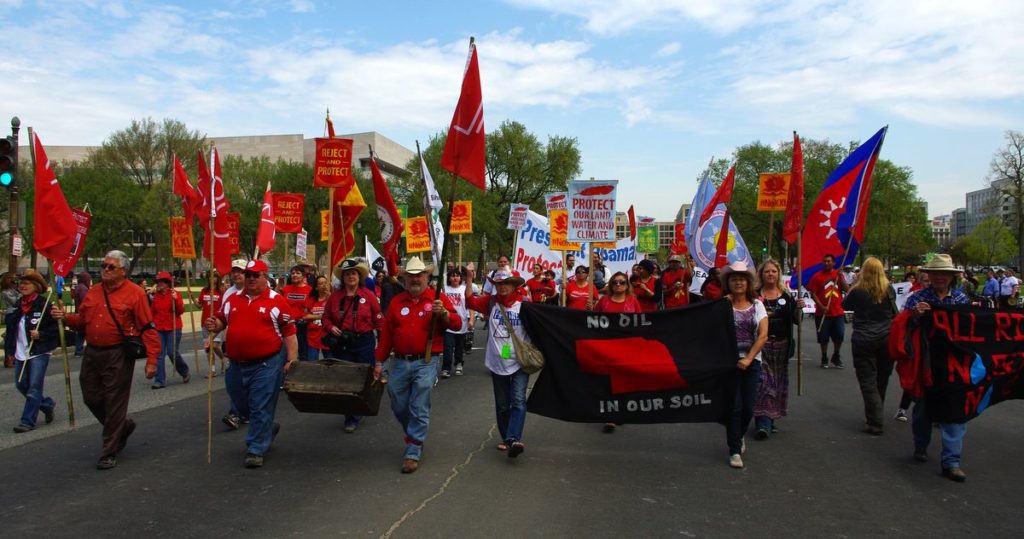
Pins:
x: 651, y: 89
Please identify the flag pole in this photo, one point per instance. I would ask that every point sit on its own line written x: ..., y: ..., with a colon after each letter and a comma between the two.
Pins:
x: 565, y: 279
x: 439, y: 287
x: 209, y: 357
x: 771, y: 230
x: 800, y: 324
x: 28, y: 352
x: 192, y: 318
x: 64, y: 350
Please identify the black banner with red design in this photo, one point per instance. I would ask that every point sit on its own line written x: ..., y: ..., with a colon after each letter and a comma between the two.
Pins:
x: 658, y: 367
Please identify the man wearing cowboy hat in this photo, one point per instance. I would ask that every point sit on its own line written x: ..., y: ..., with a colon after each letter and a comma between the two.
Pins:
x: 106, y: 376
x: 940, y: 291
x: 407, y: 325
x: 167, y: 306
x: 260, y: 340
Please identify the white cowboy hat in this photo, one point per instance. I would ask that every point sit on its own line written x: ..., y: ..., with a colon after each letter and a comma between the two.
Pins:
x: 415, y: 266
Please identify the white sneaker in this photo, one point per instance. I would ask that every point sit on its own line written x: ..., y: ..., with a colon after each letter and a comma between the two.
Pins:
x: 458, y: 370
x: 446, y: 374
x: 735, y: 461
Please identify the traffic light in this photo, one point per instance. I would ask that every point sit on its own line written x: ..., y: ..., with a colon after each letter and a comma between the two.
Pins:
x: 8, y: 162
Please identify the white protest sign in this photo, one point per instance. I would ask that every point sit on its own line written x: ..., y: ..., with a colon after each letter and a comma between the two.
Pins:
x: 300, y: 244
x: 517, y: 216
x: 556, y: 201
x: 592, y: 211
x: 533, y: 247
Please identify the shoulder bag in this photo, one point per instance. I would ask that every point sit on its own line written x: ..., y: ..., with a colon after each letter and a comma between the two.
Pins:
x: 528, y: 356
x: 132, y: 345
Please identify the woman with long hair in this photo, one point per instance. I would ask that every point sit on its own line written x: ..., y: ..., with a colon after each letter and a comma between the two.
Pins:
x: 315, y: 305
x: 783, y: 312
x: 620, y: 298
x: 751, y: 321
x: 873, y: 303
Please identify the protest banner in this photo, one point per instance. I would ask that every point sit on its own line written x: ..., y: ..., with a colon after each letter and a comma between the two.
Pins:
x: 591, y: 373
x: 82, y: 222
x: 288, y: 208
x: 517, y: 216
x: 332, y: 166
x: 592, y: 211
x: 182, y: 242
x: 417, y: 239
x: 533, y: 245
x: 772, y: 191
x: 462, y: 217
x: 300, y: 245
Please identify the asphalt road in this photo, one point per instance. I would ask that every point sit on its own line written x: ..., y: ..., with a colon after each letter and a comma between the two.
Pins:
x: 820, y: 476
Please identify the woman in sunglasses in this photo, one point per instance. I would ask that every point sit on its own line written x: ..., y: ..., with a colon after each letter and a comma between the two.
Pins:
x: 620, y: 298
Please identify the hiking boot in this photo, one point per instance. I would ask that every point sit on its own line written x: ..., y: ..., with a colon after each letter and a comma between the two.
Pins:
x: 253, y: 460
x: 954, y: 474
x: 736, y: 461
x: 410, y: 465
x: 232, y: 421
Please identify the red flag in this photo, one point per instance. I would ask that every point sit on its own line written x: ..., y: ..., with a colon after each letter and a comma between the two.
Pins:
x: 722, y: 196
x: 722, y: 245
x: 347, y: 207
x: 213, y: 190
x: 190, y: 199
x: 330, y: 125
x: 388, y: 218
x: 465, y: 153
x: 55, y: 225
x: 795, y: 198
x: 266, y: 231
x: 632, y: 223
x: 678, y: 246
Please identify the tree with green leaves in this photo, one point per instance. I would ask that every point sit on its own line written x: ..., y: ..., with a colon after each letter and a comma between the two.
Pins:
x: 1006, y: 176
x: 990, y: 242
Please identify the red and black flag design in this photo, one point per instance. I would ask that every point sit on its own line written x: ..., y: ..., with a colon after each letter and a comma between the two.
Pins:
x: 657, y: 367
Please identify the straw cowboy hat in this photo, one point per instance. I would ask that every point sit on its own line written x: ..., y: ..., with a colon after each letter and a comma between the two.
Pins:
x: 415, y: 266
x: 35, y: 278
x: 352, y: 264
x: 940, y: 262
x: 737, y: 267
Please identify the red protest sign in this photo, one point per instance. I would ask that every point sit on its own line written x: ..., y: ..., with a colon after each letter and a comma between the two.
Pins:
x: 332, y: 166
x: 82, y: 221
x: 288, y: 208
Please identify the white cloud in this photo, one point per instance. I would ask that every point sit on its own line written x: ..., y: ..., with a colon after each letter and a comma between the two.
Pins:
x: 670, y: 49
x: 611, y: 17
x: 302, y: 6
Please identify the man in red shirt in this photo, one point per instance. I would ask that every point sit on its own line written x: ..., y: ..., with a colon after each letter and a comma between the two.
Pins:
x: 106, y: 375
x: 261, y: 343
x: 406, y: 327
x: 675, y: 282
x: 296, y: 293
x: 827, y: 288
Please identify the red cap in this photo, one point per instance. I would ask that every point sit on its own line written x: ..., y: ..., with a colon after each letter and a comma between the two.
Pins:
x: 164, y: 276
x: 257, y: 265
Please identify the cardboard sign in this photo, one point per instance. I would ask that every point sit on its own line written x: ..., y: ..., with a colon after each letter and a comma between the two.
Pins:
x: 462, y: 217
x: 559, y: 220
x: 556, y: 201
x: 325, y: 224
x: 300, y: 244
x: 182, y: 243
x: 517, y: 216
x: 647, y: 239
x: 534, y: 246
x: 772, y: 191
x: 234, y: 229
x: 332, y: 166
x: 417, y: 238
x: 288, y: 208
x: 592, y: 211
x: 82, y: 222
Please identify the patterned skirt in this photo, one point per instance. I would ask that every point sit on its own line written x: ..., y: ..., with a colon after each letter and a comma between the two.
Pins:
x: 773, y: 390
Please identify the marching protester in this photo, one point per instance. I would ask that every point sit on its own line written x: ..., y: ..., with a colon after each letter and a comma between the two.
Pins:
x: 30, y: 338
x: 597, y: 266
x: 296, y: 293
x: 260, y: 340
x: 209, y: 301
x: 508, y: 378
x: 940, y: 291
x: 619, y: 299
x: 1009, y: 290
x: 315, y: 307
x: 232, y: 419
x: 711, y: 289
x: 990, y: 292
x: 552, y: 298
x: 580, y: 294
x: 873, y: 303
x: 407, y: 325
x: 751, y: 334
x: 647, y: 287
x: 540, y: 286
x: 111, y: 312
x: 78, y: 296
x: 167, y: 306
x: 827, y: 288
x: 675, y: 282
x: 351, y: 316
x: 455, y: 339
x: 503, y: 264
x: 783, y: 312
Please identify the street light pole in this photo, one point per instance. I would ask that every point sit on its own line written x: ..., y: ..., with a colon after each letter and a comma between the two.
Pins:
x: 12, y: 264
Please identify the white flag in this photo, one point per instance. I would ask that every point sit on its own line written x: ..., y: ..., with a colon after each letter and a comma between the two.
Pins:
x: 373, y: 258
x: 433, y: 205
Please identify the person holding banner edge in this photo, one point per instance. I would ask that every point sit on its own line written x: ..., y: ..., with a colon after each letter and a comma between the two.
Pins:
x: 751, y: 321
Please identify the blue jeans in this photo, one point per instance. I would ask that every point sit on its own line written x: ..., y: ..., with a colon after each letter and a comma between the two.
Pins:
x: 79, y: 342
x: 361, y: 351
x: 31, y: 386
x: 409, y: 386
x: 454, y: 348
x: 952, y: 436
x: 253, y: 387
x: 300, y: 334
x: 510, y: 404
x: 167, y: 340
x: 743, y: 407
x: 313, y: 354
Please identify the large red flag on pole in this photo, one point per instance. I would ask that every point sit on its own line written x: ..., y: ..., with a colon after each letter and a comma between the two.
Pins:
x: 190, y: 199
x: 217, y: 217
x: 348, y: 204
x: 632, y: 222
x: 465, y: 153
x: 722, y: 196
x: 54, y: 223
x: 388, y: 218
x: 266, y: 231
x: 795, y: 198
x: 722, y: 244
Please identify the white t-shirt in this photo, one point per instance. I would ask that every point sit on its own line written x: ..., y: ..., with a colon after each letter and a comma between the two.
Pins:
x: 457, y: 295
x: 1006, y: 287
x: 499, y: 342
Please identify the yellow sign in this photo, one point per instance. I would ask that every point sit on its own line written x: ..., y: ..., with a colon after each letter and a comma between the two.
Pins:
x: 558, y: 222
x: 325, y: 225
x: 182, y: 244
x: 772, y: 191
x: 462, y: 217
x: 311, y: 254
x: 417, y: 234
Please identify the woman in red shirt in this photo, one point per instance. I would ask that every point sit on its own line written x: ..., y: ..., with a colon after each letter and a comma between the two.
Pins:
x: 167, y: 306
x: 579, y: 294
x: 313, y: 317
x: 620, y: 298
x: 540, y: 287
x: 647, y: 287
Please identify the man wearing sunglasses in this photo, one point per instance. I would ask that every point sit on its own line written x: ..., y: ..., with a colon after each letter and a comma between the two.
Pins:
x: 260, y: 340
x: 106, y: 375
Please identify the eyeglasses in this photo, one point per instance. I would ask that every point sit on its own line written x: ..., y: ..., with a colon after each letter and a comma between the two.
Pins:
x: 618, y: 283
x: 109, y: 267
x: 251, y: 275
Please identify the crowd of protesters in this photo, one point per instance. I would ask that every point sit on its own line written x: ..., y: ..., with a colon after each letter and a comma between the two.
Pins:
x: 258, y: 326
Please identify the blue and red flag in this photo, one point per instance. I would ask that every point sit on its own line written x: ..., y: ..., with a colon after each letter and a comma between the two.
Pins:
x: 835, y: 224
x: 703, y: 237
